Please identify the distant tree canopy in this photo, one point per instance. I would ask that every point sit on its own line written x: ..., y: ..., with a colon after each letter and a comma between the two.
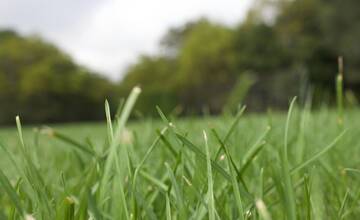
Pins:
x: 204, y: 65
x: 201, y: 66
x: 42, y: 84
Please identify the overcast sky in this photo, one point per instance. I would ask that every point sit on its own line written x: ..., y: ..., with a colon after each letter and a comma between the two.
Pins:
x: 108, y: 35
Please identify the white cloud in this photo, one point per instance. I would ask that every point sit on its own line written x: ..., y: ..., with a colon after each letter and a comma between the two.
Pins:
x: 108, y: 35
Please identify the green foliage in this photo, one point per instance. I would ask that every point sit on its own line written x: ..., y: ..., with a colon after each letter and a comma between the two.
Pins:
x: 43, y: 84
x: 292, y: 51
x: 155, y: 75
x: 206, y: 67
x: 202, y: 66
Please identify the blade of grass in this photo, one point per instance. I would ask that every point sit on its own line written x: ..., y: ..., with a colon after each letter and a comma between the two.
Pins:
x: 263, y: 211
x: 253, y: 151
x: 147, y: 154
x: 318, y: 154
x: 339, y: 92
x: 66, y: 139
x: 154, y: 181
x: 110, y: 131
x: 17, y: 190
x: 6, y: 185
x: 307, y: 196
x: 11, y: 158
x: 33, y: 177
x: 210, y: 194
x: 235, y: 185
x: 231, y: 129
x: 238, y: 174
x: 343, y: 204
x: 93, y: 209
x: 290, y: 204
x: 178, y: 194
x: 352, y: 170
x: 69, y: 209
x: 112, y: 157
x: 214, y: 164
x: 202, y: 156
x: 168, y: 208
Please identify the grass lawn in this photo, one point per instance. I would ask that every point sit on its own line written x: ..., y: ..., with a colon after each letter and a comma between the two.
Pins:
x: 262, y: 170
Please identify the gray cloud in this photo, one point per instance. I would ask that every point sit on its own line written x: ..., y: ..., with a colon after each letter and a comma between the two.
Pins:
x: 46, y: 15
x: 107, y: 35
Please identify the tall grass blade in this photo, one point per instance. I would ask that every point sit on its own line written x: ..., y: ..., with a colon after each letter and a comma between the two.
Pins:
x: 147, y: 154
x: 235, y: 185
x: 216, y: 167
x: 93, y: 209
x: 11, y: 193
x: 339, y: 92
x: 253, y: 151
x: 66, y: 139
x: 231, y: 129
x: 318, y: 154
x: 112, y: 157
x: 263, y: 211
x: 110, y: 131
x: 178, y: 194
x: 168, y: 208
x: 343, y: 204
x: 210, y: 194
x: 289, y: 203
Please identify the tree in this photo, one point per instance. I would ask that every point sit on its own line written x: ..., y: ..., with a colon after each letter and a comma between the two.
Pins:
x: 316, y: 32
x: 43, y: 84
x: 206, y: 67
x: 155, y: 75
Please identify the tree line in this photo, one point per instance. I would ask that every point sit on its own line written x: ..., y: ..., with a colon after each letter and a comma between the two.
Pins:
x: 282, y: 49
x: 42, y: 84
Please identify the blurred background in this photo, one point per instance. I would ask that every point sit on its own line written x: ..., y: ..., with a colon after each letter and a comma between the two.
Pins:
x: 59, y: 60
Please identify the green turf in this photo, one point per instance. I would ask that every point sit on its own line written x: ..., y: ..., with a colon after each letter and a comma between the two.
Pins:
x: 156, y: 170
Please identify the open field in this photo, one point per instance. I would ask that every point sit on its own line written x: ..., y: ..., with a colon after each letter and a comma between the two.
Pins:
x: 174, y: 177
x: 211, y: 111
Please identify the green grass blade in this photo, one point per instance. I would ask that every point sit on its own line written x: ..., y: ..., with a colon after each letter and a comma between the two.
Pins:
x: 35, y: 179
x: 11, y: 158
x: 289, y: 203
x: 110, y: 131
x: 231, y: 129
x: 147, y: 154
x: 93, y: 209
x: 112, y: 157
x: 318, y: 154
x: 263, y: 211
x: 154, y: 181
x: 237, y: 171
x: 235, y: 185
x: 307, y: 197
x: 234, y: 124
x: 253, y: 151
x: 343, y: 204
x: 11, y: 193
x: 210, y: 194
x: 178, y: 194
x: 214, y: 164
x: 339, y: 92
x: 202, y: 156
x: 70, y: 208
x: 66, y: 139
x: 352, y: 170
x: 168, y: 208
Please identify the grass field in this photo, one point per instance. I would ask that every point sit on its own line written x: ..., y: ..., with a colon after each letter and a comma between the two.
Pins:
x: 304, y: 165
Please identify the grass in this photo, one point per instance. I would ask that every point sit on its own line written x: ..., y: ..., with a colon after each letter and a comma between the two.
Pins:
x: 247, y: 166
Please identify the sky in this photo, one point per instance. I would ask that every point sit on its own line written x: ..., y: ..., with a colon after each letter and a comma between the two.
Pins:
x: 108, y: 35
